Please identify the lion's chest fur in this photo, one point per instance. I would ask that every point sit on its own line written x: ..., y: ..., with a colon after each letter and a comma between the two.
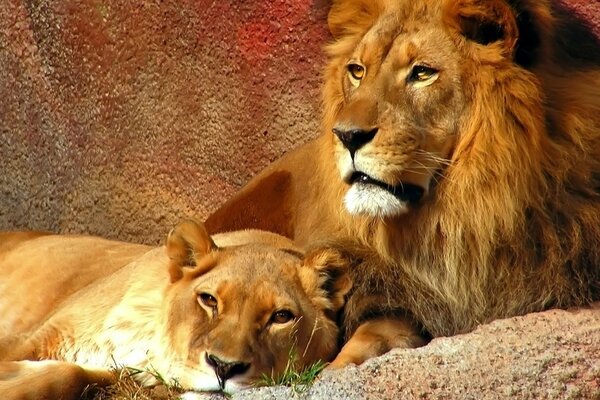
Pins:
x: 452, y: 279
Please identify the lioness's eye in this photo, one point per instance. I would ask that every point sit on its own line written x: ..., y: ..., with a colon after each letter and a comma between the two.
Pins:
x: 282, y: 316
x: 208, y: 300
x: 356, y: 71
x: 421, y: 73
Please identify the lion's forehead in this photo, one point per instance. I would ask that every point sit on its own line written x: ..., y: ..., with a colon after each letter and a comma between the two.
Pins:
x: 393, y: 42
x: 405, y: 18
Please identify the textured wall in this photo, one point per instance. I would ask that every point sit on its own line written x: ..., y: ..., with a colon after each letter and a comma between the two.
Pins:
x: 118, y: 117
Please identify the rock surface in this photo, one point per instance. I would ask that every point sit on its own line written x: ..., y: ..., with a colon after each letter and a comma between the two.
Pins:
x: 119, y: 118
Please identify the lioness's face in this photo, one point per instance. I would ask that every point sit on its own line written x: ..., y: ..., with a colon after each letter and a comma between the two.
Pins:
x: 242, y: 312
x: 394, y: 101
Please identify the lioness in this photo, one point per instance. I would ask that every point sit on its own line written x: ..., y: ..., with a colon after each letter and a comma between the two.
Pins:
x: 212, y: 315
x: 460, y: 159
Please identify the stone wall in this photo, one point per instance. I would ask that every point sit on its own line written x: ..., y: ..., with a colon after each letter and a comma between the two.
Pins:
x: 118, y: 118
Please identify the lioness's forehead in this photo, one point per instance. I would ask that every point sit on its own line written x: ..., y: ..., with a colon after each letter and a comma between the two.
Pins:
x: 264, y: 276
x: 255, y: 262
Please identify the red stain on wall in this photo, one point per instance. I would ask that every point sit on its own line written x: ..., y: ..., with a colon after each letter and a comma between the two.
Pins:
x: 270, y: 27
x: 118, y: 118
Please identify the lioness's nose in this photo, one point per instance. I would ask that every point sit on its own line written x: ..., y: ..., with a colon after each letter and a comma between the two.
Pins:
x: 226, y: 369
x: 354, y: 138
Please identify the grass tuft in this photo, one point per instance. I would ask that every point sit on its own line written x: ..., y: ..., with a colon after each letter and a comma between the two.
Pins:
x: 298, y: 380
x: 127, y: 388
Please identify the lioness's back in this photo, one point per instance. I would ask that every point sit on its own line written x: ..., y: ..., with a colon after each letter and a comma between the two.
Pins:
x: 27, y: 269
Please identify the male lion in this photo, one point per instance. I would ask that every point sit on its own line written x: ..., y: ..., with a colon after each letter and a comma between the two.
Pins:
x: 460, y: 159
x: 211, y: 318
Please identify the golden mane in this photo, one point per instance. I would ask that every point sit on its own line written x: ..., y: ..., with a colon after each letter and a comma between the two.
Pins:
x: 514, y: 225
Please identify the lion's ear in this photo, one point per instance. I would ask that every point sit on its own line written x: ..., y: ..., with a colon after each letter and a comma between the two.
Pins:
x: 484, y: 22
x: 350, y: 17
x: 325, y: 276
x: 188, y: 241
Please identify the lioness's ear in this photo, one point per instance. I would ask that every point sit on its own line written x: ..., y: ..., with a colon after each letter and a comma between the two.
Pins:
x: 484, y: 22
x: 188, y: 241
x: 350, y: 17
x: 325, y: 276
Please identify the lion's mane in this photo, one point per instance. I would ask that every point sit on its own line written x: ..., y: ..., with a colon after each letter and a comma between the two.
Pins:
x: 513, y: 225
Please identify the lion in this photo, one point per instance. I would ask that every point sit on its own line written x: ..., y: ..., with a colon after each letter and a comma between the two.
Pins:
x: 211, y: 315
x: 459, y: 161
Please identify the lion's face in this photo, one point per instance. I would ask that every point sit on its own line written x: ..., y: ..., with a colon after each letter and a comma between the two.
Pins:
x: 241, y: 312
x: 396, y: 94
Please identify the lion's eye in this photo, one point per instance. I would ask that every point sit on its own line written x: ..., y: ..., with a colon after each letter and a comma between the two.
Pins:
x: 208, y: 300
x: 282, y: 316
x: 421, y: 73
x: 356, y: 71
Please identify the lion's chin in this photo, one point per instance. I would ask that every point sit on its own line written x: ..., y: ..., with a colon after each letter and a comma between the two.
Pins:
x: 374, y: 201
x: 367, y: 196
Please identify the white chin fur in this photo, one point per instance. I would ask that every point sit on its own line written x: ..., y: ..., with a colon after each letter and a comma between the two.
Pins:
x: 373, y: 201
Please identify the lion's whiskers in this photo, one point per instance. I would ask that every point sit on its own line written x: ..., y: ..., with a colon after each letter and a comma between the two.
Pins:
x: 434, y: 157
x: 435, y: 173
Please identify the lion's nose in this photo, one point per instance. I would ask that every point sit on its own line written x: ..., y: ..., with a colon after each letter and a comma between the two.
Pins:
x: 226, y: 369
x: 354, y: 138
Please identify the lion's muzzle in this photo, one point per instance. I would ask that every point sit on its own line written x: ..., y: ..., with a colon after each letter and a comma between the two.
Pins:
x: 406, y: 192
x: 354, y: 138
x: 226, y: 369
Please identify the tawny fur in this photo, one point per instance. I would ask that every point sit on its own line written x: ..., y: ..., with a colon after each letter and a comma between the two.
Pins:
x: 93, y: 304
x: 512, y: 222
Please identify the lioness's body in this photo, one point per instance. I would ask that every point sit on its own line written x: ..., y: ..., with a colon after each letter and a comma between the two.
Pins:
x: 460, y: 159
x: 34, y: 291
x: 98, y: 304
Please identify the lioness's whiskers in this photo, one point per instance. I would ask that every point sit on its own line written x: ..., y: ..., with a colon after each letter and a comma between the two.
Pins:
x: 312, y: 333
